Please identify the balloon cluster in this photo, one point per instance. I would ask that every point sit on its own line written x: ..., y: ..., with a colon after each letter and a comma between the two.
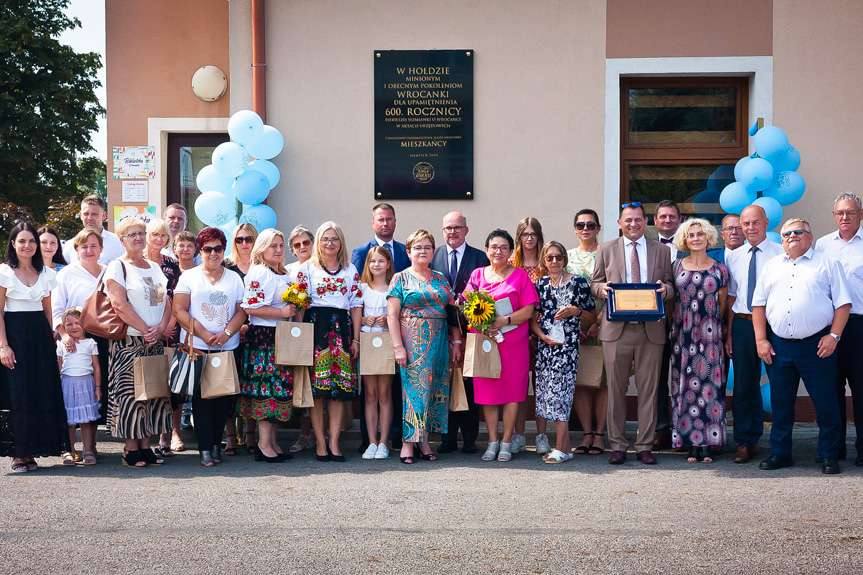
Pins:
x: 232, y: 178
x: 768, y: 178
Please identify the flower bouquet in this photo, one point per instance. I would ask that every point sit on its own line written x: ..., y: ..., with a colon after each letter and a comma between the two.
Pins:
x: 297, y: 294
x: 478, y: 308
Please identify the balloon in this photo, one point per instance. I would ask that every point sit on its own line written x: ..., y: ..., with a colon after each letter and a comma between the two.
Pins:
x: 209, y: 180
x: 705, y: 202
x: 729, y: 385
x: 251, y: 187
x: 735, y: 197
x: 765, y: 397
x: 230, y: 159
x: 245, y: 126
x: 721, y: 177
x: 229, y: 228
x: 774, y: 237
x: 756, y: 174
x: 753, y: 129
x: 787, y: 188
x: 770, y: 140
x: 739, y: 166
x: 268, y: 144
x: 267, y: 168
x: 261, y: 216
x: 772, y: 209
x: 787, y: 161
x: 215, y: 208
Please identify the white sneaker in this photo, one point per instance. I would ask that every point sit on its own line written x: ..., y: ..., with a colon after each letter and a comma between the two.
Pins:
x: 371, y: 450
x: 382, y: 451
x: 542, y: 446
x: 518, y: 443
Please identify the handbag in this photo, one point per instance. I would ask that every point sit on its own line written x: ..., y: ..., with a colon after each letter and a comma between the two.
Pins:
x: 302, y: 396
x: 481, y: 357
x: 219, y: 375
x: 295, y: 343
x: 377, y: 356
x: 98, y: 316
x: 591, y: 368
x: 151, y: 377
x: 457, y: 393
x: 184, y: 365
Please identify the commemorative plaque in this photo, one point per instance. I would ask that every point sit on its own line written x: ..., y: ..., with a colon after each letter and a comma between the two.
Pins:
x: 423, y: 124
x: 634, y: 302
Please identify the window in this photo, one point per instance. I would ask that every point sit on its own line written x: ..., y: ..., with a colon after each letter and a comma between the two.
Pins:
x: 187, y: 154
x: 680, y: 139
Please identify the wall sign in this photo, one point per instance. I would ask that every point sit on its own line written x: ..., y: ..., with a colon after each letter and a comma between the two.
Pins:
x: 145, y: 213
x: 134, y: 162
x: 423, y: 124
x: 136, y: 191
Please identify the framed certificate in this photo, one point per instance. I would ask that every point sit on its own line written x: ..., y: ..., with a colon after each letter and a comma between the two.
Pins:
x: 634, y: 302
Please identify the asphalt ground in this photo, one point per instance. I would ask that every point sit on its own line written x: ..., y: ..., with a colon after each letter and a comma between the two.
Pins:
x: 456, y: 515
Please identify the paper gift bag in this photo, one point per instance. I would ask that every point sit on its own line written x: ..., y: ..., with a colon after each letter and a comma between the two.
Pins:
x: 591, y: 369
x: 219, y: 375
x: 481, y: 357
x: 151, y: 377
x: 302, y: 396
x: 376, y: 354
x: 457, y: 393
x: 295, y: 343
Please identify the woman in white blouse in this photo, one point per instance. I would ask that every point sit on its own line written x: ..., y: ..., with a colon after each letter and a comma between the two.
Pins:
x: 266, y: 391
x: 32, y: 413
x: 336, y: 310
x: 138, y: 291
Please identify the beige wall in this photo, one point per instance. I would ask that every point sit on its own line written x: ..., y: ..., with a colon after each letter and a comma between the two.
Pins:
x: 817, y: 71
x: 539, y: 105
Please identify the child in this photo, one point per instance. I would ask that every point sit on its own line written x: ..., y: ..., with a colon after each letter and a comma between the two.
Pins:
x: 377, y: 273
x: 79, y: 372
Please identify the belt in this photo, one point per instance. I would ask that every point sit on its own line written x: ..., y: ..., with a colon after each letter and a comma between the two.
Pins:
x: 744, y: 315
x: 817, y: 335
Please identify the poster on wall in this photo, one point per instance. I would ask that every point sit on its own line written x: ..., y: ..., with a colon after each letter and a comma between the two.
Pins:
x: 145, y: 213
x: 136, y: 191
x: 134, y: 162
x: 423, y: 124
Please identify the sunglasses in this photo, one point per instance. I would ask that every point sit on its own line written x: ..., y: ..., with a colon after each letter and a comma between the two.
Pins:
x: 210, y: 249
x: 789, y: 233
x: 244, y: 240
x: 304, y: 243
x: 589, y: 225
x: 631, y: 205
x: 553, y: 258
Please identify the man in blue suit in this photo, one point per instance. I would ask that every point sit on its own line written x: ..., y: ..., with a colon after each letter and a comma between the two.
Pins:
x: 456, y: 260
x: 384, y: 225
x: 732, y: 236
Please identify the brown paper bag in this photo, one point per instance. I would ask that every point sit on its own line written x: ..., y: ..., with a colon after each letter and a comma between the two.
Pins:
x: 295, y: 343
x: 302, y: 396
x: 457, y: 393
x: 151, y: 377
x: 376, y: 354
x: 591, y: 369
x: 219, y: 375
x: 481, y: 357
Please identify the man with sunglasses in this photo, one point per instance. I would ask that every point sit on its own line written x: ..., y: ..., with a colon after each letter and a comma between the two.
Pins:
x: 845, y: 245
x: 802, y: 296
x: 632, y: 258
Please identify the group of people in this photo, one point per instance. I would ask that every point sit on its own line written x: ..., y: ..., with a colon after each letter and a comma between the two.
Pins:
x: 752, y: 301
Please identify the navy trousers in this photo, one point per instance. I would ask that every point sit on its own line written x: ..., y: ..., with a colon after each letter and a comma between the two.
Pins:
x: 795, y: 360
x: 850, y: 369
x: 748, y: 407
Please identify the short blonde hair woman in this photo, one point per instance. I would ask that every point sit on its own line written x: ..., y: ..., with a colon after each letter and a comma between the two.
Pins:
x: 682, y: 234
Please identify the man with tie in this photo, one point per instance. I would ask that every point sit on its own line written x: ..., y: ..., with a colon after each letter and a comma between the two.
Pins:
x: 457, y: 260
x: 845, y: 245
x: 745, y: 266
x: 802, y: 296
x: 632, y: 258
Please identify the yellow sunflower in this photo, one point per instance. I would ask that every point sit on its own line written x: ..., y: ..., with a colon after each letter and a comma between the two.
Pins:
x: 480, y: 312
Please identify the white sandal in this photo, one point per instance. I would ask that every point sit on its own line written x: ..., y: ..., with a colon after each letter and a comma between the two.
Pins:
x: 557, y: 456
x: 301, y: 445
x: 491, y: 453
x: 505, y: 452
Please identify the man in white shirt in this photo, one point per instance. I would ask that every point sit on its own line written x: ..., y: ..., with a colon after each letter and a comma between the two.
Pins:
x: 739, y: 333
x: 845, y: 245
x: 804, y: 299
x: 92, y: 215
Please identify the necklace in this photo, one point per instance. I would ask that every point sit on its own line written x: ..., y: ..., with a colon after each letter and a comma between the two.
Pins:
x: 326, y: 269
x: 559, y: 291
x: 698, y: 264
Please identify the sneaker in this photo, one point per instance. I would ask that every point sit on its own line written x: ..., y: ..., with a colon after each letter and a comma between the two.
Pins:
x: 382, y: 452
x: 542, y: 446
x: 518, y: 443
x: 370, y: 452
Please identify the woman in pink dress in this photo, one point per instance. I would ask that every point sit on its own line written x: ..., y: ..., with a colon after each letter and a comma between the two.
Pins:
x: 502, y: 280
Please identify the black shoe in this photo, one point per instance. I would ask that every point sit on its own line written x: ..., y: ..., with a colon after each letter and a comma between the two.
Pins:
x: 284, y: 456
x: 363, y: 446
x: 469, y: 447
x: 447, y: 447
x: 859, y: 461
x: 324, y: 458
x: 775, y: 462
x: 830, y: 466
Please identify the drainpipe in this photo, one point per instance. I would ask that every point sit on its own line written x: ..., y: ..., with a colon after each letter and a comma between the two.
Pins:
x: 259, y: 60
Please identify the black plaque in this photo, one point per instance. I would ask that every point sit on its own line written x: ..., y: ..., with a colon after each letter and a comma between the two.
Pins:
x: 423, y: 124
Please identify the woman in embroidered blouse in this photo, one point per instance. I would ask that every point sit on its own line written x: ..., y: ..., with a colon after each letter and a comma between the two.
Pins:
x: 32, y: 412
x: 266, y: 391
x: 336, y: 310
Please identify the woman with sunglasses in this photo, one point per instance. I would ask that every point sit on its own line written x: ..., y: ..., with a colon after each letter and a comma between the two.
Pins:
x: 301, y: 241
x: 590, y: 403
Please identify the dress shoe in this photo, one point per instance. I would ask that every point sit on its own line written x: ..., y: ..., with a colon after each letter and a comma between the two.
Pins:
x: 447, y: 447
x: 617, y: 457
x: 745, y: 453
x: 858, y: 462
x: 830, y: 466
x: 468, y: 447
x: 775, y: 462
x: 662, y: 441
x: 646, y: 457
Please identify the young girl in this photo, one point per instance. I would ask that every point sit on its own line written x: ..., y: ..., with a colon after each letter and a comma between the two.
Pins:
x: 79, y: 372
x: 377, y: 273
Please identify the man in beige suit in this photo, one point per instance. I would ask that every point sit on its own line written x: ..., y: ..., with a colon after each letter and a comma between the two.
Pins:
x: 632, y: 258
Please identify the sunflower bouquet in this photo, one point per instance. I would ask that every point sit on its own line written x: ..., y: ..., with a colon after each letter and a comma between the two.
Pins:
x: 297, y: 294
x: 478, y: 308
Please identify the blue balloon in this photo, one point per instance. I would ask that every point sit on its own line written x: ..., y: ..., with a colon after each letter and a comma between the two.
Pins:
x: 774, y: 237
x: 787, y: 161
x: 739, y: 166
x: 230, y: 159
x: 787, y: 188
x: 769, y: 141
x: 735, y: 197
x: 267, y: 145
x: 215, y: 209
x: 245, y: 126
x: 209, y: 180
x: 267, y: 168
x: 765, y: 397
x: 261, y: 216
x: 251, y: 187
x: 772, y: 209
x: 721, y: 177
x: 756, y: 174
x: 753, y: 129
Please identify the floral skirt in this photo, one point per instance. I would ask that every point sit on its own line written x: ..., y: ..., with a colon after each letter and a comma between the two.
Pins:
x: 266, y: 389
x: 334, y: 374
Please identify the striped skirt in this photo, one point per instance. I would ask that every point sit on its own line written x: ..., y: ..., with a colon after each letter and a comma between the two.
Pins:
x: 127, y: 418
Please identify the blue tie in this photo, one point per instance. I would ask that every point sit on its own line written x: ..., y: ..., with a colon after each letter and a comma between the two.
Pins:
x: 750, y: 288
x: 453, y: 267
x: 390, y: 249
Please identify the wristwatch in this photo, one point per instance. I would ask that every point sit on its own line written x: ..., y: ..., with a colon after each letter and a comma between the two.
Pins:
x: 228, y: 332
x: 508, y: 320
x: 836, y: 337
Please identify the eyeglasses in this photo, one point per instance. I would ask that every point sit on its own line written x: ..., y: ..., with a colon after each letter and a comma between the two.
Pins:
x: 210, y: 249
x: 733, y: 229
x: 843, y: 213
x: 422, y: 248
x: 160, y: 236
x: 589, y: 225
x: 303, y: 244
x: 453, y: 229
x: 789, y: 233
x: 529, y: 236
x: 329, y: 240
x: 553, y: 258
x: 135, y: 235
x: 498, y: 249
x: 631, y: 205
x: 244, y: 240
